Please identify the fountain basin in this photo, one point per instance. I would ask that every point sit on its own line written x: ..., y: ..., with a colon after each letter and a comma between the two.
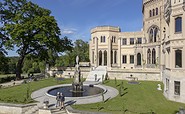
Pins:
x: 67, y: 90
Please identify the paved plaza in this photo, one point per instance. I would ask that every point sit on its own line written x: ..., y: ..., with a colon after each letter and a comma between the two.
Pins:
x: 41, y: 95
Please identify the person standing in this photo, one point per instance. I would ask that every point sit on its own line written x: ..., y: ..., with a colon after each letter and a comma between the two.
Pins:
x: 58, y: 99
x: 62, y: 99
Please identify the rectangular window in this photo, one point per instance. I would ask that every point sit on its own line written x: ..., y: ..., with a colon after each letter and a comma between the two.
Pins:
x: 177, y: 87
x: 124, y: 59
x: 131, y: 41
x: 139, y: 40
x: 178, y: 24
x: 124, y: 41
x: 131, y: 59
x: 167, y: 84
x: 178, y: 58
x: 102, y: 38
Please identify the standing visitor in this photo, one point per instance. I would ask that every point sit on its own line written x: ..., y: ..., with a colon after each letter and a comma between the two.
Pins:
x: 58, y: 99
x: 62, y: 99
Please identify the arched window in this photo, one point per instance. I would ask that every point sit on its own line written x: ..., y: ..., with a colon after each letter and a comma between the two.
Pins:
x: 155, y: 35
x: 151, y: 36
x: 150, y: 13
x: 153, y: 12
x: 100, y: 57
x: 178, y: 24
x: 153, y: 32
x: 153, y: 56
x: 139, y: 59
x: 105, y: 57
x: 115, y: 57
x: 93, y: 57
x: 156, y: 11
x: 149, y: 56
x: 178, y: 58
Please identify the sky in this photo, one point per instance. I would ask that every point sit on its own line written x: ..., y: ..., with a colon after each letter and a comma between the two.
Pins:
x: 77, y: 17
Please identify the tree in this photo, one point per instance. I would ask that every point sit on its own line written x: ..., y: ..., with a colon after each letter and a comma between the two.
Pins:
x: 12, y: 64
x: 81, y: 48
x: 31, y: 29
x: 3, y: 63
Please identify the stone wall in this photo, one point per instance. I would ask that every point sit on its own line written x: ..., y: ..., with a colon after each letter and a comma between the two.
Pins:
x: 6, y: 108
x: 140, y: 75
x: 169, y: 91
x: 69, y: 72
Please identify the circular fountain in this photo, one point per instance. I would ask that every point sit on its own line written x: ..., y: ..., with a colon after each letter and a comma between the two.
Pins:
x: 77, y: 89
x: 67, y: 90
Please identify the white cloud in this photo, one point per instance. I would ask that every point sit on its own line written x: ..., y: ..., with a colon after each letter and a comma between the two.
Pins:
x: 68, y: 31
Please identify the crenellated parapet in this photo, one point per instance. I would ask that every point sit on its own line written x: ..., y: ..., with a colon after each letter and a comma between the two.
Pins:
x: 149, y: 1
x: 105, y: 28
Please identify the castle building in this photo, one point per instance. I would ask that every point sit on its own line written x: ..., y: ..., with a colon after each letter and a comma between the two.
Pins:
x: 157, y: 52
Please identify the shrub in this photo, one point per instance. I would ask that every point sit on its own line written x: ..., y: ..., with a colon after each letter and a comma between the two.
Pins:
x: 7, y: 79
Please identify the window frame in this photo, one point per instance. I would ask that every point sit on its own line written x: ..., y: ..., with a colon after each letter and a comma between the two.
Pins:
x: 177, y: 87
x: 124, y: 59
x: 132, y: 42
x: 124, y: 41
x: 150, y: 13
x: 139, y: 62
x: 156, y: 11
x: 139, y: 41
x: 178, y: 58
x: 131, y: 59
x: 178, y: 29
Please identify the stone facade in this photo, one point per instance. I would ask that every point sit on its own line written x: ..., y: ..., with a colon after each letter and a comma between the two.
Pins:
x: 157, y: 52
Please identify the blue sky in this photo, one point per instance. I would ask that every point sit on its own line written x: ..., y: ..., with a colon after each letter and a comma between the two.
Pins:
x: 77, y: 17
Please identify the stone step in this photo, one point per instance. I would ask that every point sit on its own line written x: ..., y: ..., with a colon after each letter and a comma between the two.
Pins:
x: 57, y: 111
x: 99, y: 72
x: 32, y: 110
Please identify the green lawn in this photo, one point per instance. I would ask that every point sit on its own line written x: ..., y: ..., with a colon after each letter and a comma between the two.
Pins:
x: 138, y: 99
x: 18, y: 94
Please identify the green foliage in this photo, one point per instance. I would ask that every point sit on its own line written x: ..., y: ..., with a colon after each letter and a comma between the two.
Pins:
x: 81, y: 49
x: 3, y: 64
x: 6, y: 79
x: 12, y: 64
x: 33, y: 65
x: 31, y: 29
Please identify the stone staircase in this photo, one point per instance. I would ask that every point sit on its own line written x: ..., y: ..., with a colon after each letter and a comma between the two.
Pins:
x: 58, y: 111
x: 100, y: 73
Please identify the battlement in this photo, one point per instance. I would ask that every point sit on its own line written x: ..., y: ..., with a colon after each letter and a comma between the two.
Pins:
x: 105, y: 28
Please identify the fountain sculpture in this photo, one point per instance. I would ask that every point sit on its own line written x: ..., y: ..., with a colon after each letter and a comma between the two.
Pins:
x: 77, y: 84
x: 77, y: 89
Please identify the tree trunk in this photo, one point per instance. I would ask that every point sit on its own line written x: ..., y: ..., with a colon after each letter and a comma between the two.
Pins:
x: 19, y: 67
